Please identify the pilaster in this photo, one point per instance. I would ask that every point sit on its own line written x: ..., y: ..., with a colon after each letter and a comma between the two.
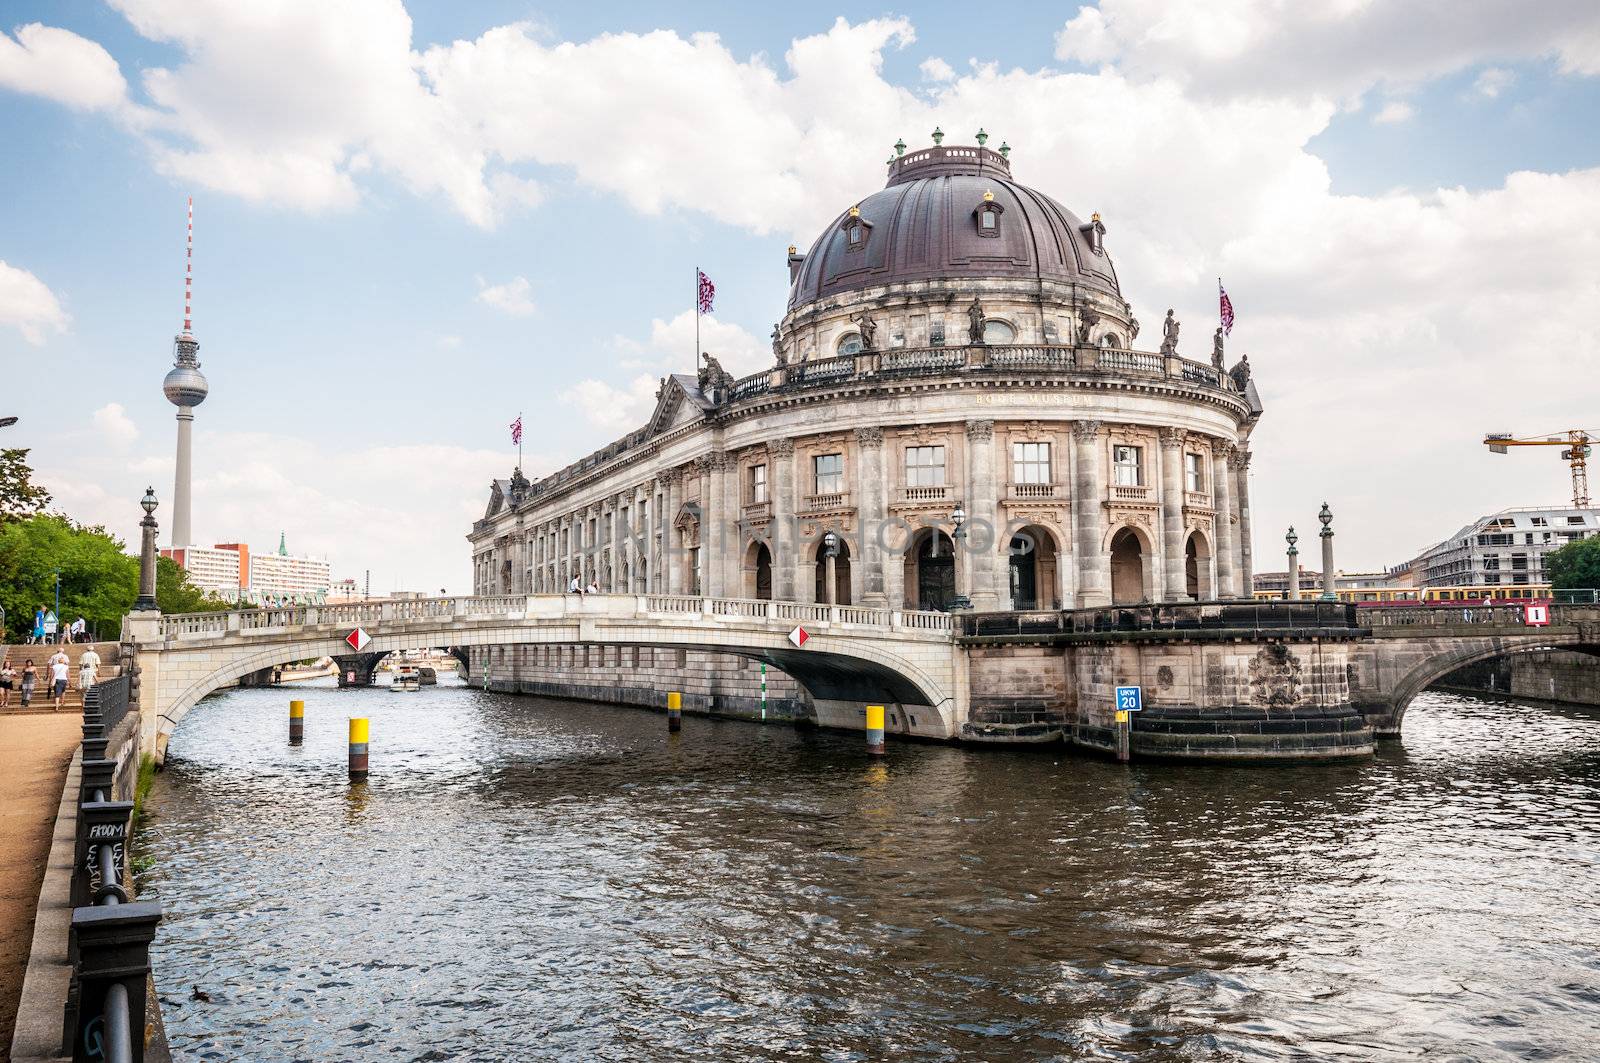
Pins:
x: 784, y: 532
x: 1172, y: 539
x: 983, y: 504
x: 1221, y: 479
x: 1088, y: 505
x: 869, y: 444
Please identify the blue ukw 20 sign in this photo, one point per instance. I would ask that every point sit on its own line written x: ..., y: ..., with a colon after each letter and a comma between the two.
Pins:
x: 1130, y: 699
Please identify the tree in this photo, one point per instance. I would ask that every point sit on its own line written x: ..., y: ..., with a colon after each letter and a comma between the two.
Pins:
x: 1575, y: 565
x: 98, y: 580
x: 19, y: 495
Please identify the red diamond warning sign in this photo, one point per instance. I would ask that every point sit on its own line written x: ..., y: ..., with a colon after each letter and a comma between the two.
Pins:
x: 358, y: 639
x: 799, y: 636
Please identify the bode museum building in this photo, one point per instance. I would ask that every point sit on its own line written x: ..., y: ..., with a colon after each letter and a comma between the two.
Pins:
x: 959, y: 410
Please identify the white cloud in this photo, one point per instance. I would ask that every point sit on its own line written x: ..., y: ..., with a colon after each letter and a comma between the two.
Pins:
x: 1394, y: 112
x: 514, y: 297
x: 668, y: 349
x: 28, y: 305
x: 115, y: 428
x: 1330, y: 50
x: 617, y: 410
x: 62, y: 66
x: 1493, y: 81
x: 935, y: 69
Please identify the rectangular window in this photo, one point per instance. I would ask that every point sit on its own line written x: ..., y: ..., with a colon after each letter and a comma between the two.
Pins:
x: 829, y: 473
x: 989, y: 219
x: 1540, y: 522
x: 758, y: 483
x: 1127, y: 466
x: 924, y: 466
x: 1574, y: 520
x: 1030, y: 463
x: 1194, y: 477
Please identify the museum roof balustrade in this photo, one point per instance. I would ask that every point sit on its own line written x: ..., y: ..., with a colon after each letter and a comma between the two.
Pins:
x: 975, y: 362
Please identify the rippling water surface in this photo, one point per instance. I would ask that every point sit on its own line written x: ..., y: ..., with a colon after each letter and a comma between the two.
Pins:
x: 525, y: 879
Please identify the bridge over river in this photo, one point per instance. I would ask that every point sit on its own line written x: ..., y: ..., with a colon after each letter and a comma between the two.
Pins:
x: 1238, y: 680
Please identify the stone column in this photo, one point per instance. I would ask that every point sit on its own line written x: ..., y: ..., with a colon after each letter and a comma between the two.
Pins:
x: 711, y: 517
x: 732, y: 528
x: 1241, y: 502
x: 1330, y: 585
x: 983, y: 504
x: 671, y: 560
x: 869, y: 509
x: 1088, y: 503
x: 639, y: 540
x: 780, y: 489
x: 1172, y: 496
x: 614, y: 533
x: 1221, y: 451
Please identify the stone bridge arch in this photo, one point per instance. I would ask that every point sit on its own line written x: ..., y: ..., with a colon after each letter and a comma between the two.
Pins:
x: 1400, y: 669
x: 837, y: 664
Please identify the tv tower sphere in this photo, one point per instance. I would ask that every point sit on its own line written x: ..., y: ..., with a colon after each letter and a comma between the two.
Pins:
x: 185, y: 385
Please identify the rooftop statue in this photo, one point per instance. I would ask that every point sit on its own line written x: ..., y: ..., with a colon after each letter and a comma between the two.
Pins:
x: 1216, y: 348
x: 869, y: 329
x: 712, y: 376
x: 777, y: 347
x: 1087, y: 320
x: 1169, y: 334
x: 1240, y: 373
x: 975, y: 320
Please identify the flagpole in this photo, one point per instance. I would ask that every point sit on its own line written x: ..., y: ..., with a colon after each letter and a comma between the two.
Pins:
x: 697, y: 319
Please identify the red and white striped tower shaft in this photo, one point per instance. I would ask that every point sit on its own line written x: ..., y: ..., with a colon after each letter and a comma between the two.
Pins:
x: 186, y: 388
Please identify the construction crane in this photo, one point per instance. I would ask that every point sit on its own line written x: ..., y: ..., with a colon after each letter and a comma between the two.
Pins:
x: 1575, y: 440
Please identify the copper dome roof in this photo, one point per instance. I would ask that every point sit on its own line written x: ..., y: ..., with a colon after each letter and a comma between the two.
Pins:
x: 924, y: 226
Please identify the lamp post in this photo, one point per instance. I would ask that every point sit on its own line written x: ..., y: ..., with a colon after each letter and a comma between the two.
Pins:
x: 146, y: 602
x: 57, y: 573
x: 1293, y: 593
x: 830, y: 555
x: 1329, y: 591
x: 963, y: 598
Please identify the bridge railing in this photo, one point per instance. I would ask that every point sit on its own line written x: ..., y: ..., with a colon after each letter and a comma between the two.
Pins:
x: 192, y: 626
x: 1172, y: 616
x: 1451, y: 616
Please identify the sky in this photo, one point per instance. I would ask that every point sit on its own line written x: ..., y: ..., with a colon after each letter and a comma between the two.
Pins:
x: 414, y: 222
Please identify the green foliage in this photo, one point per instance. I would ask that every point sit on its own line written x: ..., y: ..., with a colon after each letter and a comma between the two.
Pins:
x: 19, y: 495
x: 1575, y: 565
x: 98, y: 581
x: 175, y: 594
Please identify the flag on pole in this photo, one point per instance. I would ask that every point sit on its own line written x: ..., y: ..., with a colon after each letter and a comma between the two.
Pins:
x: 516, y: 431
x: 707, y: 293
x: 1226, y: 307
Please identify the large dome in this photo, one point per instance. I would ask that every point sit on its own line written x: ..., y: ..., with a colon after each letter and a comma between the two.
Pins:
x: 927, y: 224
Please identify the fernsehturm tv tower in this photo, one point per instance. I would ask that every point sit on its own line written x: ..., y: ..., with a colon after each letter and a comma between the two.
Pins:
x: 186, y: 388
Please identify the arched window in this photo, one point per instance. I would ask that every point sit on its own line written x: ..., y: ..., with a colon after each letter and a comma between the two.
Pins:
x: 1112, y: 340
x: 850, y: 343
x: 996, y: 331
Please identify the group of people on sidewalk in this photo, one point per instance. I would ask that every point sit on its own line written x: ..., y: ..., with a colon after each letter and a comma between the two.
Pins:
x: 59, y: 666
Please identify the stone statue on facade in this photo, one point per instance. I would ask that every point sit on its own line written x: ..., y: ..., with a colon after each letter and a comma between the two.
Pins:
x: 712, y: 376
x: 1169, y: 334
x: 1240, y: 373
x: 1216, y: 348
x: 1087, y: 320
x: 975, y: 320
x: 777, y: 347
x: 1133, y: 327
x: 869, y: 330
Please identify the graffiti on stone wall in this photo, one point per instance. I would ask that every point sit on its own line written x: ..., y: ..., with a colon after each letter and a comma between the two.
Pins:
x: 1275, y: 678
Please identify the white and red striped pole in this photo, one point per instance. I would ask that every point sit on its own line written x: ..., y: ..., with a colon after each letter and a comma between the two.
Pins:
x: 188, y: 273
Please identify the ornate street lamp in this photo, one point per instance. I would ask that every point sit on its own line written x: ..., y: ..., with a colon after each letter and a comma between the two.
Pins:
x: 830, y: 556
x: 1329, y: 591
x: 1293, y: 593
x: 147, y: 553
x: 963, y: 599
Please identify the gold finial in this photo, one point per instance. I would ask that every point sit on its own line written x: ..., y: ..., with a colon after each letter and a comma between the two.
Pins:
x: 1095, y: 216
x: 855, y: 212
x: 987, y: 195
x: 793, y: 249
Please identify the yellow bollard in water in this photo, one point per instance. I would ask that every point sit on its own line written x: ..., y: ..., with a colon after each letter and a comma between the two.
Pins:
x: 875, y: 730
x: 674, y: 712
x: 358, y: 749
x: 297, y: 722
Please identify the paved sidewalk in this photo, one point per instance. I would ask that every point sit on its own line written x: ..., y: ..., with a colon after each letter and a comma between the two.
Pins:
x: 34, y: 754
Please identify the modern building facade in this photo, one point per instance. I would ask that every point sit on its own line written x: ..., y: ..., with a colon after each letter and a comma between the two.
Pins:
x: 230, y: 571
x: 956, y: 409
x: 1501, y: 549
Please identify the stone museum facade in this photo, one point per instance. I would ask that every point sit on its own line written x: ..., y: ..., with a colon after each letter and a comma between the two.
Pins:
x: 956, y: 411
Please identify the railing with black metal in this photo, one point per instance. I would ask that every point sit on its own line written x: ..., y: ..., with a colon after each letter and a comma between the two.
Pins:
x: 110, y: 936
x: 1175, y: 617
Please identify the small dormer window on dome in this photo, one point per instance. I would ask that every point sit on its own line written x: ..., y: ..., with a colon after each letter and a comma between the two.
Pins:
x: 1095, y: 233
x: 988, y: 214
x: 857, y: 230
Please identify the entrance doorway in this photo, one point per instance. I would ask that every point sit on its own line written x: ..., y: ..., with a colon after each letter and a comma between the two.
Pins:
x: 758, y: 572
x: 1032, y: 567
x: 1127, y: 568
x: 1197, y: 567
x: 930, y: 576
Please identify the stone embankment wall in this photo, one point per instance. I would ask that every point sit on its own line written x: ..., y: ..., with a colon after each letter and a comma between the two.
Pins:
x: 1556, y: 675
x: 640, y: 675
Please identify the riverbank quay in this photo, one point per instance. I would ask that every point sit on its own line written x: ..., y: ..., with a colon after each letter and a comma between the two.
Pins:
x: 86, y: 991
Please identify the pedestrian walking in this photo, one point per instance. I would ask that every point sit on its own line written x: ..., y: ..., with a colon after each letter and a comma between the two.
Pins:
x: 59, y: 664
x: 30, y: 676
x: 88, y: 669
x: 78, y: 630
x: 38, y: 627
x: 8, y: 679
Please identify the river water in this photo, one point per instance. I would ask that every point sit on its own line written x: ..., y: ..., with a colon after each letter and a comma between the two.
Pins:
x: 534, y: 879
